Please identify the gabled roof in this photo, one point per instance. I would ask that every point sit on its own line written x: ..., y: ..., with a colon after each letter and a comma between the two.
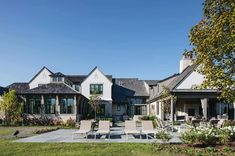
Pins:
x: 176, y: 80
x: 52, y: 88
x: 182, y: 76
x: 128, y: 87
x: 39, y: 73
x: 2, y: 90
x: 109, y: 77
x: 19, y: 87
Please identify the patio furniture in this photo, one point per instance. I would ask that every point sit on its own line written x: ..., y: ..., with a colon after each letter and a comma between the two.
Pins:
x: 161, y: 124
x: 147, y: 129
x: 221, y: 123
x: 103, y: 129
x: 85, y: 128
x: 196, y: 122
x: 213, y: 122
x: 130, y: 128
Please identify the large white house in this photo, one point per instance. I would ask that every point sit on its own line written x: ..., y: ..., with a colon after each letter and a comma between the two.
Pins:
x: 63, y: 96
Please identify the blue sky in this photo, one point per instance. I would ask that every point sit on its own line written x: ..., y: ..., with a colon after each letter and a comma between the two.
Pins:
x: 125, y: 38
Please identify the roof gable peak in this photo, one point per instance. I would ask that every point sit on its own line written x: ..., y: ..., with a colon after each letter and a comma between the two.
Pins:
x: 44, y: 68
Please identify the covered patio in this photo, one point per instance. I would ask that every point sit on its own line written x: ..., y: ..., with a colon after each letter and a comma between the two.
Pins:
x: 202, y: 104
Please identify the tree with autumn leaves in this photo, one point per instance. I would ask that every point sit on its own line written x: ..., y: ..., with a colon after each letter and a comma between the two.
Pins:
x: 213, y: 40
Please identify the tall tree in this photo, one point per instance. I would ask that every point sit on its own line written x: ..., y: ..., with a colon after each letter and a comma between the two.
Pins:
x: 11, y: 107
x: 213, y: 40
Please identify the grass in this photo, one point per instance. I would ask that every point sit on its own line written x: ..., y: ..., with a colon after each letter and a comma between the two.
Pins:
x: 26, y: 131
x: 8, y: 147
x: 51, y: 149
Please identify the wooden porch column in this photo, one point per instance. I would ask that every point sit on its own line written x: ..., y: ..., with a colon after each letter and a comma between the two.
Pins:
x: 204, y: 103
x: 155, y: 108
x: 57, y: 106
x: 172, y: 109
x: 42, y: 105
x: 161, y: 110
x: 75, y: 104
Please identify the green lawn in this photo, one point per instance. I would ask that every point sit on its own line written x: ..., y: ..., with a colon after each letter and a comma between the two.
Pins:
x: 8, y: 147
x: 26, y: 131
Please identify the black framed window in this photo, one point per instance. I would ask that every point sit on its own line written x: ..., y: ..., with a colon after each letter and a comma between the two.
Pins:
x: 96, y: 88
x: 66, y: 105
x: 50, y: 103
x: 34, y: 106
x: 57, y: 79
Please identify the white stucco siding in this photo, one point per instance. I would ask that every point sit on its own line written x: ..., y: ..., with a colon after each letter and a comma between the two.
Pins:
x: 42, y: 78
x: 97, y: 77
x: 194, y: 79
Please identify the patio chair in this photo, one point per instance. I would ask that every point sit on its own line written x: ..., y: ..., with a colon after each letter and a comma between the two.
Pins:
x: 162, y: 125
x: 221, y: 122
x: 147, y: 129
x: 85, y: 128
x: 130, y: 128
x: 103, y: 129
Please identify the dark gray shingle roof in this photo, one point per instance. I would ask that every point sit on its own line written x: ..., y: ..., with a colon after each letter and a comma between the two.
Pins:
x: 52, y: 88
x: 76, y: 78
x: 181, y: 76
x: 123, y: 88
x: 173, y: 81
x: 19, y: 87
x: 152, y: 82
x: 58, y: 74
x: 80, y: 78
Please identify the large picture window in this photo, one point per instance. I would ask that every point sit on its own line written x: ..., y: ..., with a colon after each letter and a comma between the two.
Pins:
x: 50, y: 103
x: 67, y: 105
x: 96, y: 88
x: 34, y: 106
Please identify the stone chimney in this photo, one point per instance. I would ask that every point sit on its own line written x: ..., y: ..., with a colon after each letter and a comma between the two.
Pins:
x: 186, y: 61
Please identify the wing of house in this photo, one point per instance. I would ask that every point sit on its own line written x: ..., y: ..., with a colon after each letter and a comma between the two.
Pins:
x: 190, y: 100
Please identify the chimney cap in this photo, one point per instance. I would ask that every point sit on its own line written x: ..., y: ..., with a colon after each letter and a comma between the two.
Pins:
x: 187, y: 54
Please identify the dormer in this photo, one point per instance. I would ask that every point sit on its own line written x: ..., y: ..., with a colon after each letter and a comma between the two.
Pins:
x: 57, y: 77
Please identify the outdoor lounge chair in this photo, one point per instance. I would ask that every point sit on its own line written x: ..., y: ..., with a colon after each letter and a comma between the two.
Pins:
x: 147, y: 128
x: 85, y: 128
x: 162, y: 125
x: 221, y: 122
x: 103, y: 129
x: 130, y: 128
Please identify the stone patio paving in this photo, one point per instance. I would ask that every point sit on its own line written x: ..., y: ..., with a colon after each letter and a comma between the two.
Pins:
x: 66, y: 135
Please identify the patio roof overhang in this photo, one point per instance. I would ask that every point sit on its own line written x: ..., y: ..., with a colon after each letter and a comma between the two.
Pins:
x: 196, y: 93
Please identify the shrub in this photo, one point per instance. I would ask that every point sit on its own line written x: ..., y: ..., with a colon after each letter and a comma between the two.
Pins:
x: 207, y: 136
x: 189, y: 137
x: 70, y: 123
x: 228, y: 123
x: 45, y: 130
x: 164, y: 136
